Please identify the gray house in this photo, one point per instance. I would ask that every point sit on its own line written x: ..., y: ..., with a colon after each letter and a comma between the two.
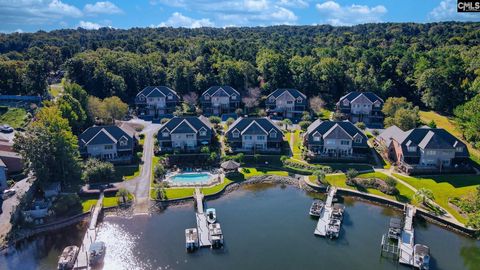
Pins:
x: 218, y: 100
x: 185, y: 133
x: 335, y: 139
x: 256, y: 134
x: 363, y: 107
x: 424, y: 149
x: 286, y: 103
x: 110, y: 143
x: 154, y: 102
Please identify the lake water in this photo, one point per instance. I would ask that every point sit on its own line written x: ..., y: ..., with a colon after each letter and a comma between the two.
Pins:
x: 265, y: 227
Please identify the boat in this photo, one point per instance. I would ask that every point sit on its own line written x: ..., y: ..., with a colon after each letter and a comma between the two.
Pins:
x: 215, y: 235
x: 67, y: 258
x: 211, y: 215
x: 337, y: 211
x: 333, y: 228
x: 316, y: 208
x: 96, y: 253
x: 395, y: 229
x: 191, y: 239
x: 421, y: 257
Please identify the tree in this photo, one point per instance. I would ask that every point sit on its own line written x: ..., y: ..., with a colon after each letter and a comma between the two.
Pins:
x: 361, y: 125
x: 304, y: 125
x: 116, y: 109
x: 159, y: 171
x: 432, y: 124
x: 400, y: 112
x: 424, y: 195
x: 287, y: 122
x: 124, y: 193
x: 96, y: 109
x: 320, y: 175
x: 230, y: 121
x: 351, y: 174
x: 251, y: 100
x: 49, y: 148
x: 468, y: 116
x: 97, y: 171
x: 215, y: 120
x: 274, y: 69
x: 72, y: 110
x: 191, y: 99
x: 317, y: 105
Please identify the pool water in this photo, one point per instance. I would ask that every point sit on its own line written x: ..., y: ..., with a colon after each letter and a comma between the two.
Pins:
x: 191, y: 178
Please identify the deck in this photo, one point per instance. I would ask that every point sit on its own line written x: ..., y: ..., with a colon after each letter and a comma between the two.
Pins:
x: 325, y: 214
x: 202, y: 224
x: 407, y: 239
x: 90, y: 237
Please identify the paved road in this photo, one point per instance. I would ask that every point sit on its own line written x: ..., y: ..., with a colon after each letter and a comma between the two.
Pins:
x: 140, y: 186
x: 9, y: 205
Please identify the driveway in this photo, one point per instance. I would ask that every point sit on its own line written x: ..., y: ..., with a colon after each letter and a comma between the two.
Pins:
x: 140, y: 186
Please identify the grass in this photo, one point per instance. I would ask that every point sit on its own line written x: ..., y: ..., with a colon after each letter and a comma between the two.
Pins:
x: 107, y: 202
x: 445, y: 187
x: 297, y: 144
x: 339, y: 180
x: 127, y: 172
x: 15, y: 117
x: 449, y: 125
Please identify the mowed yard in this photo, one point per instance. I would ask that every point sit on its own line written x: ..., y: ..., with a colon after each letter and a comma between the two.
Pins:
x: 445, y: 187
x: 449, y: 125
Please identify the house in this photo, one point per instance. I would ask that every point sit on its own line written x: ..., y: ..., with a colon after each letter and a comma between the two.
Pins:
x: 335, y: 139
x: 286, y: 103
x: 255, y: 134
x: 424, y: 149
x: 185, y: 133
x: 155, y: 102
x: 110, y: 143
x: 218, y: 100
x: 363, y: 107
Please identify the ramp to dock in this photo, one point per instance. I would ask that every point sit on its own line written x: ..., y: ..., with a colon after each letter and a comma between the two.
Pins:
x: 90, y: 236
x: 202, y: 224
x: 325, y: 214
x: 407, y: 239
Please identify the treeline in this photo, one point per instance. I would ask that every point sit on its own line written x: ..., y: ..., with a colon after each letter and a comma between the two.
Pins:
x: 435, y: 66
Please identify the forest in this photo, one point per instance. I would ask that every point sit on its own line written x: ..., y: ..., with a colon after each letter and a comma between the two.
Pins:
x: 435, y: 66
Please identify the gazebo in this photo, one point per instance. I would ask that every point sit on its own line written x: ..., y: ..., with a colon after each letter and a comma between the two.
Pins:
x: 230, y: 166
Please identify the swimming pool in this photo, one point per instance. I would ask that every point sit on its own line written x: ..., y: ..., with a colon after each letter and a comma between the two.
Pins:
x: 191, y: 178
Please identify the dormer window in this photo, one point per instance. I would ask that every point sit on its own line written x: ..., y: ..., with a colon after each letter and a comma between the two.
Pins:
x: 377, y: 104
x: 316, y: 137
x: 459, y: 149
x: 299, y: 100
x: 207, y: 97
x: 345, y: 102
x: 203, y: 132
x: 235, y: 134
x: 234, y: 97
x: 123, y: 142
x: 272, y: 99
x: 165, y: 133
x: 412, y: 149
x: 170, y: 96
x: 273, y: 134
x: 358, y: 139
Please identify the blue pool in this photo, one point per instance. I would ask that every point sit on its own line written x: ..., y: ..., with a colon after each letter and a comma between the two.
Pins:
x: 191, y: 178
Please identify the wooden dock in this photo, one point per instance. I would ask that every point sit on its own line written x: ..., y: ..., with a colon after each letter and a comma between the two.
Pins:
x: 90, y: 236
x: 326, y: 213
x: 202, y: 224
x: 407, y: 238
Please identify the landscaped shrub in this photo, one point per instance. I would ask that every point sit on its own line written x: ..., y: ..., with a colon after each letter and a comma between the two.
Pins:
x: 305, y: 166
x: 361, y: 125
x: 374, y: 183
x: 141, y: 136
x: 96, y: 171
x: 67, y: 205
x: 304, y: 124
x: 164, y: 120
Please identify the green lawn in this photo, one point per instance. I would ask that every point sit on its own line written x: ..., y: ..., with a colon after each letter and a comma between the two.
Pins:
x: 15, y: 117
x: 107, y: 202
x: 449, y: 125
x: 297, y: 144
x: 446, y: 187
x: 127, y: 172
x: 339, y: 180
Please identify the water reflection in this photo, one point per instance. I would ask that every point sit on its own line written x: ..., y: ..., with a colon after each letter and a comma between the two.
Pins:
x: 471, y: 256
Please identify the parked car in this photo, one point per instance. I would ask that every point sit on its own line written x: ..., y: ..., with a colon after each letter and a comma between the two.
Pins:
x: 8, y: 193
x: 6, y: 129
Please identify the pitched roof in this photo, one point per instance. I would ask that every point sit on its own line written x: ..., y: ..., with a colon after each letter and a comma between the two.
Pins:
x: 215, y: 89
x: 294, y: 92
x: 251, y: 125
x: 355, y: 94
x: 103, y: 135
x: 187, y: 124
x: 327, y: 127
x: 157, y: 91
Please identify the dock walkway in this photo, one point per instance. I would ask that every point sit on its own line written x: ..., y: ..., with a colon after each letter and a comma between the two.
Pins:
x: 407, y: 239
x: 202, y: 224
x: 325, y: 214
x: 90, y: 236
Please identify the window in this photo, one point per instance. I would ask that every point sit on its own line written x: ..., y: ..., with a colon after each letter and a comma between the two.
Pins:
x: 189, y: 136
x: 170, y: 96
x: 247, y: 137
x: 272, y: 99
x: 345, y: 102
x: 459, y: 149
x: 299, y: 100
x: 377, y: 104
x: 235, y: 134
x: 108, y: 147
x: 260, y: 137
x: 431, y: 152
x: 316, y: 138
x: 345, y: 142
x: 289, y: 102
x: 330, y: 142
x: 273, y: 134
x: 203, y: 133
x: 234, y: 97
x: 123, y: 142
x: 207, y: 97
x: 412, y: 148
x: 358, y: 139
x: 165, y: 133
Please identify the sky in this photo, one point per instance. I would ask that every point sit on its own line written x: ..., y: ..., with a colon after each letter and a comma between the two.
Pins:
x: 34, y: 15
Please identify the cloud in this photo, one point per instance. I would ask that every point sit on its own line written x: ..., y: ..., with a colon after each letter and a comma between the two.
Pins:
x: 293, y: 3
x: 35, y: 11
x: 89, y: 25
x: 447, y: 11
x: 335, y: 14
x: 102, y: 8
x: 179, y: 20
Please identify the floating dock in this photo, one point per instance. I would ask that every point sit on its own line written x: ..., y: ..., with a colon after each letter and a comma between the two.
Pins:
x: 407, y: 238
x: 326, y: 213
x: 90, y: 236
x: 202, y: 224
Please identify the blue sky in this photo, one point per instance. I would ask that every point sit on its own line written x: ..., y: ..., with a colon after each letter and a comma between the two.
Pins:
x: 34, y: 15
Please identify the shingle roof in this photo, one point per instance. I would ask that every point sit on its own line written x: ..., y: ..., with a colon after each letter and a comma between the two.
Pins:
x: 353, y: 95
x: 104, y: 135
x: 227, y: 89
x: 294, y: 92
x: 324, y: 127
x: 187, y: 124
x: 158, y: 91
x: 242, y: 123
